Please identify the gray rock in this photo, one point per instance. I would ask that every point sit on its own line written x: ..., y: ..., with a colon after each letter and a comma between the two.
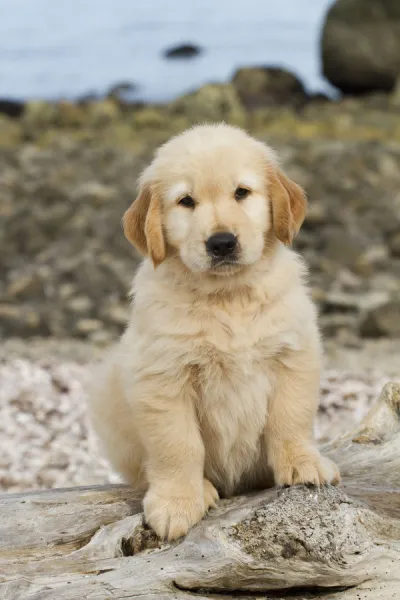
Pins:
x: 94, y: 192
x: 382, y: 321
x: 80, y: 304
x: 87, y: 326
x: 267, y: 86
x: 117, y: 314
x: 19, y: 320
x: 374, y: 257
x: 214, y: 102
x: 341, y: 247
x: 317, y: 214
x: 24, y: 286
x: 332, y: 324
x: 394, y: 245
x: 183, y: 51
x: 361, y: 45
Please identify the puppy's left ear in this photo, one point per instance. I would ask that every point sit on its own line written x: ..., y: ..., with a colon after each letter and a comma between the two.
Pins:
x: 142, y: 224
x: 289, y: 206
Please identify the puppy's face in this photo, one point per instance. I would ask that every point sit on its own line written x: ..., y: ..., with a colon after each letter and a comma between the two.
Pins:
x: 214, y: 204
x: 213, y: 196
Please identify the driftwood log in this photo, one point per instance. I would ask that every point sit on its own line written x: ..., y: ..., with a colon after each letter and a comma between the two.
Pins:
x: 342, y: 543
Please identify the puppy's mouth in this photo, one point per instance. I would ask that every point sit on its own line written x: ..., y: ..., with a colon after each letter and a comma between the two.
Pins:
x: 221, y: 262
x: 225, y: 266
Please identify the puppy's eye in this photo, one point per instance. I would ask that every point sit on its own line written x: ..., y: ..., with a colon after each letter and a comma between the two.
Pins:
x: 241, y: 193
x: 187, y: 201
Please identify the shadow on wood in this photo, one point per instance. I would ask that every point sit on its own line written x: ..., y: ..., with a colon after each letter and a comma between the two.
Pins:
x: 301, y: 542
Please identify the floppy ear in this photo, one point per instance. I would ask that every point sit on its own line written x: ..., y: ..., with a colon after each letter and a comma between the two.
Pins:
x: 143, y: 225
x: 289, y: 206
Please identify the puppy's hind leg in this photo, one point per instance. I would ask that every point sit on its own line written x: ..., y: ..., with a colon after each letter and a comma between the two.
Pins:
x: 112, y: 419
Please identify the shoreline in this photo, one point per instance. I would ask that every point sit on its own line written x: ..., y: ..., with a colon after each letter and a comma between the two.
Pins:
x: 127, y: 94
x: 264, y: 100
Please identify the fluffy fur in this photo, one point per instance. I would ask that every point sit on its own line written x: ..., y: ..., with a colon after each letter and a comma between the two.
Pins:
x: 213, y: 387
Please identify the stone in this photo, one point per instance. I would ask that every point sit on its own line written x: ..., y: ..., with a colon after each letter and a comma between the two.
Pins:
x: 24, y: 285
x: 383, y: 320
x: 267, y: 86
x: 213, y: 102
x: 349, y: 281
x: 317, y: 214
x: 341, y: 247
x: 348, y: 338
x: 123, y: 92
x: 102, y: 112
x: 19, y: 319
x: 395, y: 95
x: 384, y: 282
x: 11, y: 108
x: 183, y: 51
x: 102, y: 337
x: 70, y: 114
x: 93, y: 192
x: 341, y: 302
x: 88, y: 326
x: 10, y: 132
x: 334, y: 323
x: 66, y: 290
x: 374, y: 257
x: 394, y: 245
x: 361, y: 45
x: 149, y: 117
x: 80, y: 304
x: 38, y: 115
x: 117, y: 314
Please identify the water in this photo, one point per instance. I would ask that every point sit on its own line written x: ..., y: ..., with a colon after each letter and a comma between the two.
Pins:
x: 52, y: 49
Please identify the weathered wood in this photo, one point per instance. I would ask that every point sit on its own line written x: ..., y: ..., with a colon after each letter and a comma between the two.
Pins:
x: 296, y: 542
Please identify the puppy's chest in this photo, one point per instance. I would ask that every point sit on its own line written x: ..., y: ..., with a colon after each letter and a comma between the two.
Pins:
x: 233, y: 362
x: 233, y: 373
x: 236, y: 342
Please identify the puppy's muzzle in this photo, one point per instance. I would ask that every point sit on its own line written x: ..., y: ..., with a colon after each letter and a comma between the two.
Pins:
x: 222, y: 245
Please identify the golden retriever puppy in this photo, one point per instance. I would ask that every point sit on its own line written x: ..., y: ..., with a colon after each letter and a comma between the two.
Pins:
x: 213, y: 387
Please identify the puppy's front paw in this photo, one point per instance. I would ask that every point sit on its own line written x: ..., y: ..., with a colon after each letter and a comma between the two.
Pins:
x: 171, y: 512
x: 305, y: 465
x: 211, y: 495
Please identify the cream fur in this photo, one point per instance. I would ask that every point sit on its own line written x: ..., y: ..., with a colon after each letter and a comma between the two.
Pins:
x: 213, y: 387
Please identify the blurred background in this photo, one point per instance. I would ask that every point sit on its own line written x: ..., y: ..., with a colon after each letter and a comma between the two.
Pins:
x: 88, y: 90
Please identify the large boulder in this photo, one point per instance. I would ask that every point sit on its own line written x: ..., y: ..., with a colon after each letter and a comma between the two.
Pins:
x: 361, y: 45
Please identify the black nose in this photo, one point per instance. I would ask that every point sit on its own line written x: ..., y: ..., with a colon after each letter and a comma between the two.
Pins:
x: 221, y: 244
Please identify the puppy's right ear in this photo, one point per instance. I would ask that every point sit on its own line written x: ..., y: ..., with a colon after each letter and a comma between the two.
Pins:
x: 142, y: 224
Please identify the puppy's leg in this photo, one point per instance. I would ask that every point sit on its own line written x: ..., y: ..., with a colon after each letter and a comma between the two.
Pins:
x: 178, y: 496
x: 112, y: 419
x: 292, y: 454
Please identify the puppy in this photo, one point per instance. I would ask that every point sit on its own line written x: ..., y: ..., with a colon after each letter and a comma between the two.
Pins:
x: 213, y: 387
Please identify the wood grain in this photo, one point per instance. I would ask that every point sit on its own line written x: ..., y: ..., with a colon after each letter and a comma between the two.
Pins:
x: 302, y: 542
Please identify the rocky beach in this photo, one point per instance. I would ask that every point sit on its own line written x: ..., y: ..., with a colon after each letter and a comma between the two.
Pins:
x: 68, y: 171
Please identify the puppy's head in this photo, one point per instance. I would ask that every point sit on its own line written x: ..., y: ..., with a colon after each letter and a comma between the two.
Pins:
x: 215, y: 197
